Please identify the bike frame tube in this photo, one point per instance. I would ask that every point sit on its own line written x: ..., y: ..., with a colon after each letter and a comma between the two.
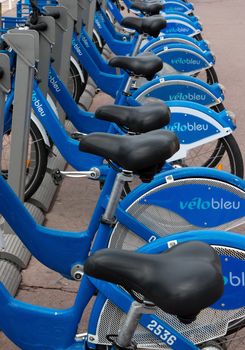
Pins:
x: 83, y: 121
x: 109, y: 82
x: 68, y: 147
x: 61, y: 250
x: 105, y: 21
x: 118, y: 46
x: 91, y: 49
x: 58, y: 250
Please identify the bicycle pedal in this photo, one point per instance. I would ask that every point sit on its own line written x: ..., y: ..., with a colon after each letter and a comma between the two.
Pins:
x: 57, y: 176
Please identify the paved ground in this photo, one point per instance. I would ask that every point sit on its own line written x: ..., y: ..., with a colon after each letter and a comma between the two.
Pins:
x: 224, y: 26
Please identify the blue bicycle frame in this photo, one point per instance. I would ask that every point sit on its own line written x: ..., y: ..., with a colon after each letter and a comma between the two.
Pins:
x: 189, y: 121
x: 86, y: 53
x: 177, y: 23
x: 61, y: 250
x: 121, y: 44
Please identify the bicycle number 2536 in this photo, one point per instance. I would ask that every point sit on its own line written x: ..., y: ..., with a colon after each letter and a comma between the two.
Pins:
x: 161, y: 332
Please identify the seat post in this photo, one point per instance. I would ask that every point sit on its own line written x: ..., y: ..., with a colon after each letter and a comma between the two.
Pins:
x: 126, y: 333
x: 138, y: 43
x: 125, y: 176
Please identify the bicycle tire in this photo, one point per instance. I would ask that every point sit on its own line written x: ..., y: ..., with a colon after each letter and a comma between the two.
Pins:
x: 37, y: 163
x: 164, y: 222
x: 76, y: 83
x: 225, y: 145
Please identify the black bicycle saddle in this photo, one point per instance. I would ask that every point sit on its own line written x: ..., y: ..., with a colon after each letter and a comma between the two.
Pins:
x: 181, y: 281
x: 148, y: 8
x: 140, y: 119
x: 143, y: 154
x: 145, y: 65
x: 146, y: 25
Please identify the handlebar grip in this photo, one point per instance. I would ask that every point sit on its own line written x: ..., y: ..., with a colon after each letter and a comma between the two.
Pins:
x: 40, y: 27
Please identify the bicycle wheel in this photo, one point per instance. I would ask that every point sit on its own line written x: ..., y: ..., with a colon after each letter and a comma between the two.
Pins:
x: 36, y: 163
x: 208, y: 75
x: 211, y: 323
x: 77, y: 81
x: 98, y: 41
x: 233, y: 340
x: 223, y: 155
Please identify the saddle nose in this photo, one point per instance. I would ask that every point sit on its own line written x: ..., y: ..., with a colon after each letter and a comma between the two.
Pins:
x: 145, y: 65
x: 138, y: 119
x: 148, y: 8
x: 147, y: 25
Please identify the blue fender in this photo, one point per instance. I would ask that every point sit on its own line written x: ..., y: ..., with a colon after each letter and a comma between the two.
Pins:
x: 178, y: 174
x: 182, y: 16
x: 193, y: 194
x: 181, y: 26
x: 193, y: 123
x: 184, y: 58
x: 175, y: 39
x: 173, y: 6
x: 182, y: 88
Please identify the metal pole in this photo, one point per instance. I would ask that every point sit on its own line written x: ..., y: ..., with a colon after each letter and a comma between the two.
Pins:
x: 46, y: 41
x: 72, y: 8
x: 86, y: 15
x: 62, y: 50
x: 5, y: 86
x: 61, y: 27
x: 26, y: 46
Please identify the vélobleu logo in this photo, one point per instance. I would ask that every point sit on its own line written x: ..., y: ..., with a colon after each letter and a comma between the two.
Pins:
x: 76, y: 48
x: 197, y: 203
x: 98, y: 23
x: 174, y: 8
x: 37, y: 103
x: 189, y: 61
x: 187, y: 97
x: 85, y: 40
x: 180, y: 127
x: 177, y: 29
x: 54, y: 83
x: 234, y: 280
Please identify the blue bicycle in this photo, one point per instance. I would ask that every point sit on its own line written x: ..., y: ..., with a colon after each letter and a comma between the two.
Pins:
x: 190, y: 56
x: 86, y: 123
x: 157, y: 212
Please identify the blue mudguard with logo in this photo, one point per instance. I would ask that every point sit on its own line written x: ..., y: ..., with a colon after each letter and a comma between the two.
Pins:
x: 194, y: 124
x: 181, y: 58
x: 172, y: 7
x: 186, y: 198
x: 165, y: 39
x: 182, y: 16
x: 178, y: 6
x: 183, y: 88
x: 179, y: 25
